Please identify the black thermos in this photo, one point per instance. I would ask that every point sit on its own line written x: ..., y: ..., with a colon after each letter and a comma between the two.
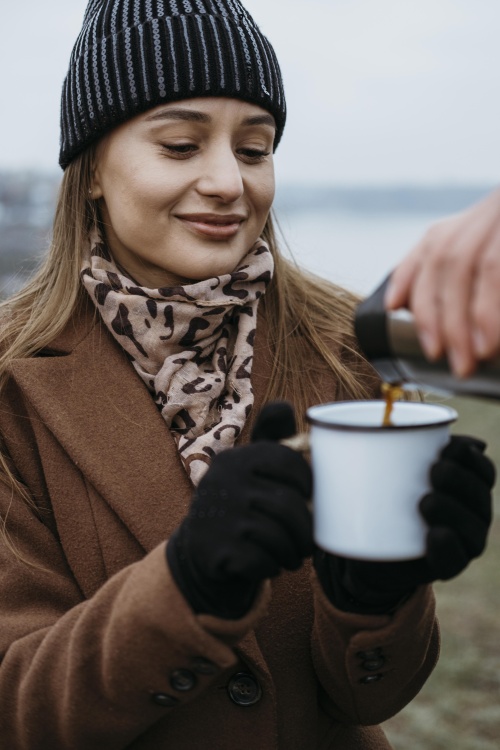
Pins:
x: 389, y: 341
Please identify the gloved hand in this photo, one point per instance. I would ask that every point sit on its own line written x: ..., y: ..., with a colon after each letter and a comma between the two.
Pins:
x: 458, y: 512
x: 249, y: 519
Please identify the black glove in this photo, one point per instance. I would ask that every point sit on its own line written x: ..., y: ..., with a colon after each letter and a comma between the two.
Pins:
x: 249, y: 519
x: 458, y: 512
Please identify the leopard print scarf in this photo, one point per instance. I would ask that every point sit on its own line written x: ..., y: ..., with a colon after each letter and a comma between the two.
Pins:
x: 192, y: 346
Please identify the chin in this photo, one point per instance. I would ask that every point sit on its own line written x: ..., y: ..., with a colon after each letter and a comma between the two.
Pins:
x: 218, y: 269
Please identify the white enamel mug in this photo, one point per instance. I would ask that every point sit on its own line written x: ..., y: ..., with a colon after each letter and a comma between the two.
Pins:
x: 369, y: 479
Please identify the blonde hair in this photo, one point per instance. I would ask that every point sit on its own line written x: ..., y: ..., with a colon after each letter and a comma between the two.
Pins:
x: 304, y: 313
x: 308, y: 315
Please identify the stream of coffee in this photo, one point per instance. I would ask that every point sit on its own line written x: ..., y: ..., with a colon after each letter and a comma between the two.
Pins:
x: 391, y: 393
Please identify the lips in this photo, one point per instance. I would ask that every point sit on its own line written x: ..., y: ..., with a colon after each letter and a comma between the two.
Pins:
x: 216, y: 226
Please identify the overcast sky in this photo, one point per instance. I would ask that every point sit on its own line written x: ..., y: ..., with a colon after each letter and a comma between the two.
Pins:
x: 379, y: 91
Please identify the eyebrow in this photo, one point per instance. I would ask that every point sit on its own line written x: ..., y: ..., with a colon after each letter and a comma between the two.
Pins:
x: 260, y: 120
x: 190, y: 115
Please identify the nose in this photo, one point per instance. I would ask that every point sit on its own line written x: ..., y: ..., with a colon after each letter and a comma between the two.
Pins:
x: 221, y: 177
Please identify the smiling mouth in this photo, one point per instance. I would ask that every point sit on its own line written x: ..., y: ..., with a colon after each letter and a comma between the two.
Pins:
x: 214, y: 226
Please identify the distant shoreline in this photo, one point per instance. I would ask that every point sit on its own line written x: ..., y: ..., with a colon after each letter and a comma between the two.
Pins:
x: 20, y: 191
x: 386, y: 199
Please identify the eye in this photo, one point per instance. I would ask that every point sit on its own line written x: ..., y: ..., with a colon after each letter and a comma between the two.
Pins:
x: 179, y: 150
x: 253, y: 155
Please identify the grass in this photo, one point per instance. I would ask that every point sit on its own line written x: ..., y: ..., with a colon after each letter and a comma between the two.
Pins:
x: 459, y: 707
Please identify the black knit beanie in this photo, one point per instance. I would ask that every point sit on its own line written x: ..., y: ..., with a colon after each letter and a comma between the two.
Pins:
x: 132, y: 55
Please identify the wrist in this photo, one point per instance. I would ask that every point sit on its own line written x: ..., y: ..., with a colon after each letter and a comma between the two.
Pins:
x: 347, y: 591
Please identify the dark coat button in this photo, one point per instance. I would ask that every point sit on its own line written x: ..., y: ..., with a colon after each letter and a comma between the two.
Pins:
x: 375, y: 653
x: 244, y: 690
x: 164, y: 700
x: 371, y: 678
x: 373, y: 665
x: 183, y: 680
x: 204, y: 666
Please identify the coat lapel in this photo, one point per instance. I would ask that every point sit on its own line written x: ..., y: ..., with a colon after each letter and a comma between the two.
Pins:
x: 100, y: 412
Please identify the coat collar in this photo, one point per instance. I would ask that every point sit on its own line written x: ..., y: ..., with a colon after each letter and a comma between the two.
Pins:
x: 88, y: 395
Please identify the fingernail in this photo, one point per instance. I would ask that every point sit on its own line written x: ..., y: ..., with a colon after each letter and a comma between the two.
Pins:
x: 429, y: 344
x: 479, y: 342
x: 459, y: 365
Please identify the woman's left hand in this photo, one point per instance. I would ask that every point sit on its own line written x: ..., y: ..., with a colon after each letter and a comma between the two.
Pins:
x: 458, y: 512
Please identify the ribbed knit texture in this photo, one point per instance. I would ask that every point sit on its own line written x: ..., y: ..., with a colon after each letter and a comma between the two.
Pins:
x: 132, y: 55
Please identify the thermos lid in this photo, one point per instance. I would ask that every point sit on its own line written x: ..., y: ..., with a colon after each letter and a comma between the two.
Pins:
x: 372, y: 332
x: 370, y: 325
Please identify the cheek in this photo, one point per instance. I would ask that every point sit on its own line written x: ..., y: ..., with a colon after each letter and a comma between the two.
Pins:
x: 263, y: 195
x: 132, y: 201
x: 127, y: 217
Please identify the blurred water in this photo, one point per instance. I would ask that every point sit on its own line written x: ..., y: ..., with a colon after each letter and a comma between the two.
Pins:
x: 354, y: 249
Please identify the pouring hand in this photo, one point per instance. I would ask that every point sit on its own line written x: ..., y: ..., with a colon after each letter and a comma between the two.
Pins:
x: 451, y: 282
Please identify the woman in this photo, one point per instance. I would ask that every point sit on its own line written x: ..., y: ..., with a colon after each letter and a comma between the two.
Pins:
x: 146, y: 499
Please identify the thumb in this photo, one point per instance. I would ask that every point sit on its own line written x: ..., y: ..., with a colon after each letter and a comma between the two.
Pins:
x: 274, y: 422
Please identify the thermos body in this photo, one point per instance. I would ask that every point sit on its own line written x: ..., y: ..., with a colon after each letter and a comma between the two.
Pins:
x: 389, y: 341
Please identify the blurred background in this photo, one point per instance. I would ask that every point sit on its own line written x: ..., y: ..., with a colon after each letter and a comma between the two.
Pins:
x: 393, y: 123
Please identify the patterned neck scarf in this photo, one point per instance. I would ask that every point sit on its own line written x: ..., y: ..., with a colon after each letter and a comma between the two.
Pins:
x: 192, y: 346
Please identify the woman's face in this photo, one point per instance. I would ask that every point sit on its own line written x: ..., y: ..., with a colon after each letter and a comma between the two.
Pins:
x: 185, y: 189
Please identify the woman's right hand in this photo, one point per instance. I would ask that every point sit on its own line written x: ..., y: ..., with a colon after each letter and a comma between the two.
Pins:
x: 249, y: 519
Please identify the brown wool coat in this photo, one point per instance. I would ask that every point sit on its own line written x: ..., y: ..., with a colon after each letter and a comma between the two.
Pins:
x: 98, y: 630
